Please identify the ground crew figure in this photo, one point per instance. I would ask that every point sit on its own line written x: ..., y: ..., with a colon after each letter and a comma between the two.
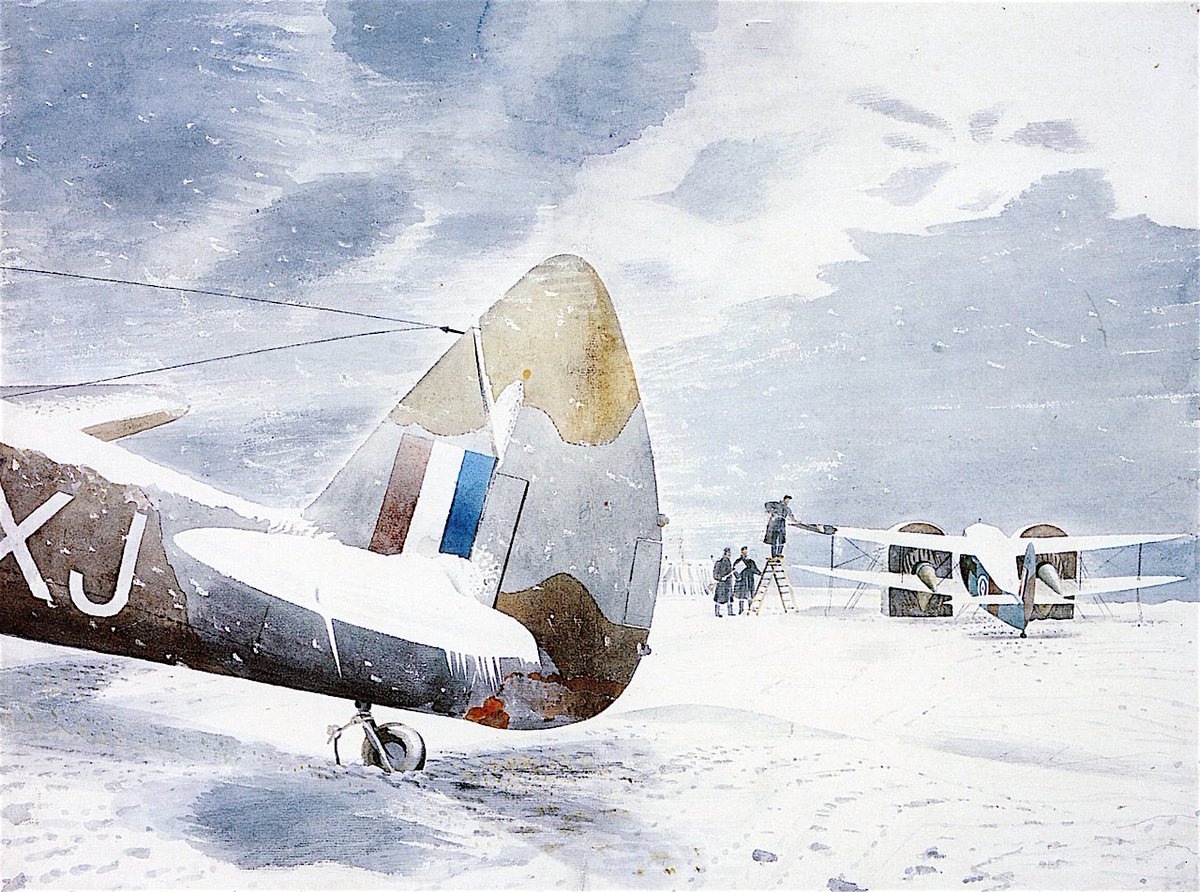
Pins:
x: 780, y: 516
x: 745, y: 579
x: 723, y: 574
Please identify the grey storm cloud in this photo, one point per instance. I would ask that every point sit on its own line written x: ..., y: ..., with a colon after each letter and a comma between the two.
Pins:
x: 907, y: 142
x: 908, y: 185
x: 313, y: 230
x: 132, y: 119
x: 1060, y: 136
x: 122, y: 113
x: 727, y: 182
x: 621, y: 69
x: 898, y: 109
x: 983, y: 122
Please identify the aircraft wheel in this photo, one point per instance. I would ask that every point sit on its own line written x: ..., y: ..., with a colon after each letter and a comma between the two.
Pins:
x: 404, y: 746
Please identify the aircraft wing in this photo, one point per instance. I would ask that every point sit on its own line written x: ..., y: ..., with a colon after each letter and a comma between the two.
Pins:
x: 909, y: 540
x: 1100, y: 585
x: 884, y: 579
x: 107, y: 412
x: 953, y: 587
x: 408, y: 596
x: 1056, y: 544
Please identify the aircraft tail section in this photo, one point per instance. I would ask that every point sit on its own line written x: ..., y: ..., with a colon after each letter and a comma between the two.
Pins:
x: 409, y: 486
x: 1020, y: 612
x: 1028, y: 582
x: 525, y: 451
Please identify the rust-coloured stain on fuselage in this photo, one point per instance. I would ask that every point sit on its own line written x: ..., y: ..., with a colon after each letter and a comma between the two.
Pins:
x: 595, y: 658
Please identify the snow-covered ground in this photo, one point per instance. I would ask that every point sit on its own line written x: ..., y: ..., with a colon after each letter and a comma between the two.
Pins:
x: 849, y: 750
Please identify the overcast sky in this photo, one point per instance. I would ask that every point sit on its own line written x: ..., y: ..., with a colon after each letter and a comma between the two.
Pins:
x: 710, y: 160
x: 697, y: 154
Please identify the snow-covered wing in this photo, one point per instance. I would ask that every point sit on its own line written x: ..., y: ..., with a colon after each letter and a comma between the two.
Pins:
x: 908, y: 540
x: 106, y: 412
x: 407, y: 596
x: 59, y: 440
x: 1058, y: 544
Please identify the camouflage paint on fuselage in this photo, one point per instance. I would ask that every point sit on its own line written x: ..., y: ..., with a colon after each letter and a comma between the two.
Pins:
x: 570, y: 528
x: 524, y: 449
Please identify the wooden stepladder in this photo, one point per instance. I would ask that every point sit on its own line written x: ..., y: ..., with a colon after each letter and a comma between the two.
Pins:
x: 774, y: 575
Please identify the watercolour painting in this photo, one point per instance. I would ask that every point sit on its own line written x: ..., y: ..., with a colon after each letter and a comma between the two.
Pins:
x: 610, y: 445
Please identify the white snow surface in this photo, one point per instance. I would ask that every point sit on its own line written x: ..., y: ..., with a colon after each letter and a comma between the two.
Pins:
x: 427, y: 600
x: 862, y: 752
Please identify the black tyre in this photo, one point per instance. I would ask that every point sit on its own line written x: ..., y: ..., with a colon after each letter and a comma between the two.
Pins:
x: 404, y: 747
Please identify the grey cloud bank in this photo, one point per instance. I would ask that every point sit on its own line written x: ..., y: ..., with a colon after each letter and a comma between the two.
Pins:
x: 364, y: 155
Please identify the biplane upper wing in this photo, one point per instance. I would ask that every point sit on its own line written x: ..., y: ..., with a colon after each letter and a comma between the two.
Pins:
x: 1018, y: 544
x: 1053, y: 544
x: 908, y: 540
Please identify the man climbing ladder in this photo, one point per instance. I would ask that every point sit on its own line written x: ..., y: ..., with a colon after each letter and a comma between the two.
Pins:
x: 775, y: 575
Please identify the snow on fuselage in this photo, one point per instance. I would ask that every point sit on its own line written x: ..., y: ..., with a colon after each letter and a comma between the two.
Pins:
x: 257, y: 593
x: 524, y: 448
x: 993, y: 549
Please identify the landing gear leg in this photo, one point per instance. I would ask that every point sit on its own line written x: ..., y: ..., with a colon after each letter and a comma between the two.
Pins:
x: 1023, y: 633
x: 392, y: 746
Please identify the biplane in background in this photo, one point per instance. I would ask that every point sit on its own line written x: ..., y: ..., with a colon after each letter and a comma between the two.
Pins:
x: 491, y: 552
x: 928, y: 571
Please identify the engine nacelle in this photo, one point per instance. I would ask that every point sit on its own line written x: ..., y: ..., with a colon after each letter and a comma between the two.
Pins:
x: 1052, y: 570
x: 929, y: 565
x: 1049, y: 575
x: 925, y: 572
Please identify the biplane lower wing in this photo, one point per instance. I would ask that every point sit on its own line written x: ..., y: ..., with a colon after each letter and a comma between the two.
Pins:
x: 884, y: 579
x: 948, y: 587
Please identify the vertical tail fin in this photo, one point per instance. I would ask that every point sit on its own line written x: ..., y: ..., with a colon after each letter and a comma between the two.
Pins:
x: 525, y: 449
x: 1028, y: 582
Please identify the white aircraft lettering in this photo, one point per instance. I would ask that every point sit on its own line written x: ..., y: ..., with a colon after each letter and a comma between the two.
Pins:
x: 16, y: 536
x: 133, y: 544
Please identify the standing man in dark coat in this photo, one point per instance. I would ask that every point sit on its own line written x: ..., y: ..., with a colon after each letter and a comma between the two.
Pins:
x: 723, y: 574
x: 745, y: 579
x: 780, y: 516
